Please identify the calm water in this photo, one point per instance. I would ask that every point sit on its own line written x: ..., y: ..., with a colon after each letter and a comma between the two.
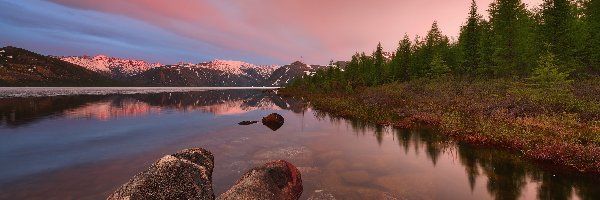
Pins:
x: 85, y: 145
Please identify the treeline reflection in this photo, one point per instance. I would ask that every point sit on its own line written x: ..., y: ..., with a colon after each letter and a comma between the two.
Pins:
x: 507, y: 173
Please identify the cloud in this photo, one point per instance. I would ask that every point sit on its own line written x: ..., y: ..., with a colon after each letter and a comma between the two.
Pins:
x: 259, y: 31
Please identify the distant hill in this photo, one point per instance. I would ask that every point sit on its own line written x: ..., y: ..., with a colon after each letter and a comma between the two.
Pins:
x: 20, y: 67
x: 288, y: 73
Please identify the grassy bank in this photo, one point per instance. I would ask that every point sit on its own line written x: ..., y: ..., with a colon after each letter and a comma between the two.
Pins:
x: 561, y: 128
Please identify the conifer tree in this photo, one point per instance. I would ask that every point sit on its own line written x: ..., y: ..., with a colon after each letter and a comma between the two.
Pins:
x: 402, y: 59
x: 549, y: 78
x: 486, y: 50
x: 557, y: 29
x: 434, y: 37
x: 418, y: 62
x: 592, y: 20
x: 438, y: 67
x: 435, y: 43
x: 513, y: 35
x: 378, y: 66
x: 469, y: 40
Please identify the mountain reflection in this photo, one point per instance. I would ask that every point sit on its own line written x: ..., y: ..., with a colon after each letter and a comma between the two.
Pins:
x: 108, y: 109
x: 507, y: 174
x: 16, y: 112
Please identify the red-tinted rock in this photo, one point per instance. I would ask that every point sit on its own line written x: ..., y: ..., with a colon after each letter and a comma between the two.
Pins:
x: 274, y: 121
x: 274, y: 180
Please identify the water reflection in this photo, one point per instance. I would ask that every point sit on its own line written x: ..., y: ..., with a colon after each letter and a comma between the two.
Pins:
x: 507, y: 174
x: 92, y: 143
x: 15, y: 112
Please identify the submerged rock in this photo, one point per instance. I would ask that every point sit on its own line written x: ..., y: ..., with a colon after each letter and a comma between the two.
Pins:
x: 321, y: 195
x: 188, y: 175
x: 274, y: 180
x: 247, y: 122
x: 274, y: 121
x: 184, y: 175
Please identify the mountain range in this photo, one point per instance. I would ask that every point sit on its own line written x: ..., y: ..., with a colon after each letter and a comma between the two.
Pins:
x: 20, y: 67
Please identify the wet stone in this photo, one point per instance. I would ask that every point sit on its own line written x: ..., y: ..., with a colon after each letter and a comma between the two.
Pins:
x: 188, y: 175
x: 244, y: 123
x: 274, y: 121
x: 274, y: 180
x: 184, y: 175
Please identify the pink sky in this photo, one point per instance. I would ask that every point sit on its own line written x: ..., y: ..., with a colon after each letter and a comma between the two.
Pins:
x: 285, y: 30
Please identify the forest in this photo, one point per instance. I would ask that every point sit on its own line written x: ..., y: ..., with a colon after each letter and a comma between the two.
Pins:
x: 526, y: 80
x: 549, y: 46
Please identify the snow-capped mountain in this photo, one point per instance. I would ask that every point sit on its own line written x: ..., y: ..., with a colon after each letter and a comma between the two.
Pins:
x: 117, y: 71
x: 113, y: 67
x: 20, y: 67
x: 240, y: 68
x: 221, y: 73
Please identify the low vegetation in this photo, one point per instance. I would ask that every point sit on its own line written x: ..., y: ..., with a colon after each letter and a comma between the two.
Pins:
x: 561, y: 129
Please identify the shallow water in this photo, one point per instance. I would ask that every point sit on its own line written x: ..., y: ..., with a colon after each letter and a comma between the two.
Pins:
x: 86, y: 145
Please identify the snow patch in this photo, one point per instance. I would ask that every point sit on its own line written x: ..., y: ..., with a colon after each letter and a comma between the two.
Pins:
x: 102, y: 63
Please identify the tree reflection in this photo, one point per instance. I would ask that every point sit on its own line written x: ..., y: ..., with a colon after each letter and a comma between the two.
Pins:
x: 16, y: 112
x: 553, y: 187
x: 507, y: 173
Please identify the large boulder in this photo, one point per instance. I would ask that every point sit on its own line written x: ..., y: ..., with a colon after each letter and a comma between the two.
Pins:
x: 188, y: 175
x: 184, y: 175
x: 274, y: 180
x: 274, y: 121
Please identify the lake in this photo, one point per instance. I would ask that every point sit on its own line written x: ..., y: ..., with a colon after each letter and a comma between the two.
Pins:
x: 73, y: 143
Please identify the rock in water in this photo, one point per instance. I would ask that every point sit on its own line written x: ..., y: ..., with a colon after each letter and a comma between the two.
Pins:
x: 184, y: 175
x: 274, y: 121
x: 247, y: 122
x: 274, y: 180
x: 188, y: 175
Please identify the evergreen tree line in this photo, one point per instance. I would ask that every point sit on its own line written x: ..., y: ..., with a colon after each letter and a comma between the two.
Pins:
x: 559, y: 36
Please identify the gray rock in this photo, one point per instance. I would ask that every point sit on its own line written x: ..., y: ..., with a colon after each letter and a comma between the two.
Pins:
x: 184, y: 175
x: 274, y: 180
x: 188, y: 175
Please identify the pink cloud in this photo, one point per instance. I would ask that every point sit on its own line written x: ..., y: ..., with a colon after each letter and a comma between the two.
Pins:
x: 285, y: 30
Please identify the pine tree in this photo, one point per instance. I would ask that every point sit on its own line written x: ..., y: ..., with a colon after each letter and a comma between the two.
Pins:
x: 592, y: 20
x: 557, y: 29
x: 402, y: 59
x: 435, y: 43
x: 549, y: 78
x: 352, y: 70
x: 438, y: 67
x: 486, y: 50
x: 366, y: 69
x: 377, y: 75
x: 469, y: 41
x: 418, y: 62
x: 513, y: 36
x: 434, y: 37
